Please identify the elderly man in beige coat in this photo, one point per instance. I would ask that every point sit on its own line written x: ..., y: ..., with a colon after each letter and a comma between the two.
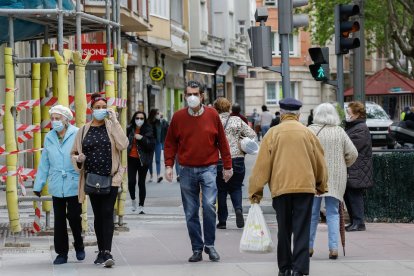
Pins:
x: 291, y: 161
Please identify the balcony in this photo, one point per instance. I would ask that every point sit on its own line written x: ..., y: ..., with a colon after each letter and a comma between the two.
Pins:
x: 134, y: 13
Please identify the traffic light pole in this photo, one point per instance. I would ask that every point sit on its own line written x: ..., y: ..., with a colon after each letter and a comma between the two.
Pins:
x: 359, y: 58
x: 284, y: 39
x: 340, y: 80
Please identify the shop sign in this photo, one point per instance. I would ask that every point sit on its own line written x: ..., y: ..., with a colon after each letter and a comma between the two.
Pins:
x: 156, y: 73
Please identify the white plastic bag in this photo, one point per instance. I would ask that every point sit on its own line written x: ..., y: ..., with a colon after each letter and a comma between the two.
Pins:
x: 256, y: 235
x: 249, y: 146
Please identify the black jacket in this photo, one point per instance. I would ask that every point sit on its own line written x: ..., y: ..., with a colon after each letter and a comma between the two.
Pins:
x: 275, y: 121
x: 146, y: 145
x: 360, y: 174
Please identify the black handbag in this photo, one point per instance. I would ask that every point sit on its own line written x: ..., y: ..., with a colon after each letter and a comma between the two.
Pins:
x: 96, y: 184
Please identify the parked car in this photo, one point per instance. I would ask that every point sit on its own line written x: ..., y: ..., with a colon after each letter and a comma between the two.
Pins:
x: 378, y: 123
x: 402, y: 133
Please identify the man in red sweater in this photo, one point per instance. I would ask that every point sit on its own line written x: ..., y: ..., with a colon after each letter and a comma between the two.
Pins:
x: 196, y: 136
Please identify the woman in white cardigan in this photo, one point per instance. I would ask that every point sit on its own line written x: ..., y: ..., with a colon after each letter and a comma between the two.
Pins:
x: 340, y: 153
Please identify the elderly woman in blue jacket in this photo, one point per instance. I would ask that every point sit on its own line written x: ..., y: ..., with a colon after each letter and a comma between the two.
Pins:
x: 56, y: 168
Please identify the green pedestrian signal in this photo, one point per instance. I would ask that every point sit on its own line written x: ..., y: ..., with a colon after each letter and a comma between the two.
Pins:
x: 321, y: 73
x: 320, y: 68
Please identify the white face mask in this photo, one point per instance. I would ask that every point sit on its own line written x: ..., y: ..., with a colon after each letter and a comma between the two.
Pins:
x: 193, y: 101
x: 139, y: 123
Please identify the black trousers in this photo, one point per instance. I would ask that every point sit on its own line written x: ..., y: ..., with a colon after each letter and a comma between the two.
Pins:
x: 70, y: 208
x: 293, y: 214
x: 134, y: 166
x: 354, y: 201
x: 103, y: 211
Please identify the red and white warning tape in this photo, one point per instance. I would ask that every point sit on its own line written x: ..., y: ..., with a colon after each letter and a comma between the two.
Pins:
x: 23, y: 173
x: 21, y: 139
x: 23, y: 105
x: 20, y: 151
x: 36, y: 222
x: 25, y: 128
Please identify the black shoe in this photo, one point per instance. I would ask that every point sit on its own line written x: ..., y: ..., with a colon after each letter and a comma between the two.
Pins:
x: 60, y: 259
x: 221, y: 225
x: 108, y: 260
x: 212, y: 254
x: 178, y: 179
x: 80, y: 254
x: 159, y: 179
x: 196, y: 257
x: 239, y: 218
x: 348, y: 226
x: 285, y: 273
x: 100, y: 258
x: 356, y: 227
x: 295, y: 273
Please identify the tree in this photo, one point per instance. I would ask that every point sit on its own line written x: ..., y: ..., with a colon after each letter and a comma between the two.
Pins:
x: 389, y: 29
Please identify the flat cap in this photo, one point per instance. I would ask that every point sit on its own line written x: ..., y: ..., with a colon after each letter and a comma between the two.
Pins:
x: 290, y: 104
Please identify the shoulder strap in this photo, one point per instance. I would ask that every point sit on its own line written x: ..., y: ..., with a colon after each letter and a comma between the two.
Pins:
x: 82, y: 137
x: 320, y: 130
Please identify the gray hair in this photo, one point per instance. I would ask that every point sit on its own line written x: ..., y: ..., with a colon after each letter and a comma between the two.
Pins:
x: 285, y: 111
x: 326, y: 114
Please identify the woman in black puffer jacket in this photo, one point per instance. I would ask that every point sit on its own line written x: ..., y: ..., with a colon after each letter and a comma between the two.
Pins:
x: 360, y: 173
x: 140, y: 153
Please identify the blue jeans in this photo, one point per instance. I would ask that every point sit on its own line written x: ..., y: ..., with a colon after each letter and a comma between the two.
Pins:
x: 332, y: 219
x: 158, y: 149
x: 232, y: 187
x: 191, y: 179
x: 265, y: 129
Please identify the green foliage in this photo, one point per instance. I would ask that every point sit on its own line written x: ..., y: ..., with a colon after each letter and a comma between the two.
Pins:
x: 391, y: 198
x: 322, y: 21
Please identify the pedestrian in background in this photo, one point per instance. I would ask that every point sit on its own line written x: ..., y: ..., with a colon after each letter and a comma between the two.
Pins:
x: 340, y: 153
x: 160, y: 128
x: 360, y: 173
x: 197, y: 136
x: 235, y: 111
x: 56, y: 167
x: 235, y: 128
x: 291, y: 161
x: 97, y: 149
x: 265, y: 120
x: 310, y: 117
x: 276, y: 120
x: 140, y: 154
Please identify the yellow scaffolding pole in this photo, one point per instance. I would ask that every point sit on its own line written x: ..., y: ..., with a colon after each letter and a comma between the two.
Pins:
x: 63, y: 75
x: 11, y: 143
x: 44, y: 116
x: 80, y: 107
x: 123, y: 120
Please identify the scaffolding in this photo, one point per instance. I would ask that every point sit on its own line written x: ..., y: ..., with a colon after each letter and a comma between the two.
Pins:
x: 69, y: 23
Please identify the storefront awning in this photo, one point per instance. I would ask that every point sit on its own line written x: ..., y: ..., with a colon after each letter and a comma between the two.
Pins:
x: 223, y: 69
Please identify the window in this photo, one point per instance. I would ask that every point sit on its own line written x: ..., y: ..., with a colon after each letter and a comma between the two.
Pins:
x: 160, y: 8
x: 270, y: 2
x: 242, y: 27
x: 177, y: 11
x: 204, y: 17
x: 274, y: 92
x: 293, y: 44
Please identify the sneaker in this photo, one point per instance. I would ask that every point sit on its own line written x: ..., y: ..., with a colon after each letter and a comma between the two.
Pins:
x: 60, y: 259
x: 108, y: 260
x: 134, y: 205
x: 141, y: 210
x: 100, y: 258
x: 239, y: 218
x: 159, y: 179
x: 150, y: 178
x: 80, y: 254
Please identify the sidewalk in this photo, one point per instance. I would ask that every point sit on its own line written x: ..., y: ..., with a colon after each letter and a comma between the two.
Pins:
x: 161, y: 247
